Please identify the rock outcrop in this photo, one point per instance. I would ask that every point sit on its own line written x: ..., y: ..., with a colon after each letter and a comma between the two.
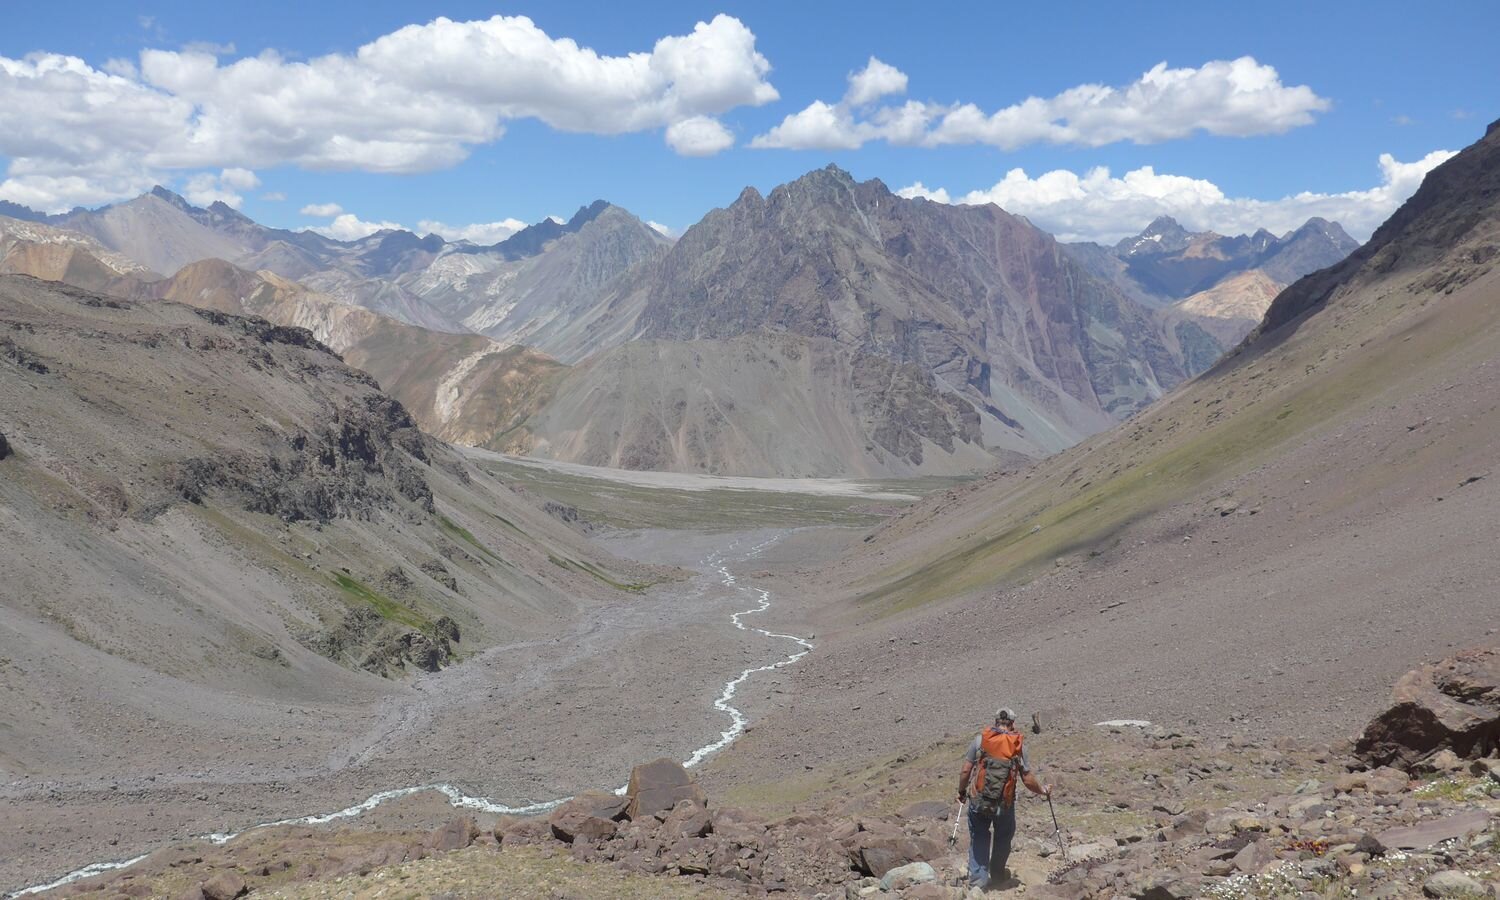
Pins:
x: 1453, y: 705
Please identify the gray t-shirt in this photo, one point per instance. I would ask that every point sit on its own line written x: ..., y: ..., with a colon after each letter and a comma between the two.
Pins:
x: 972, y: 756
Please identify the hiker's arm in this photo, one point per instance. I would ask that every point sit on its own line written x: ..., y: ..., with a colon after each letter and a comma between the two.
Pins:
x: 1036, y: 787
x: 963, y: 781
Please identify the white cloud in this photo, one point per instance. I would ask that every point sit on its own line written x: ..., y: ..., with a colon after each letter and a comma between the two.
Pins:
x: 1238, y: 98
x: 699, y: 136
x: 209, y: 47
x: 875, y: 80
x: 349, y: 227
x: 206, y: 188
x: 273, y: 196
x: 482, y: 233
x: 830, y: 126
x: 321, y: 210
x: 413, y: 100
x: 666, y: 231
x: 1097, y: 206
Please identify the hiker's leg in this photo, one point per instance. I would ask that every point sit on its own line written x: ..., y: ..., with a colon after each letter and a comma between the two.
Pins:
x: 1005, y: 830
x: 979, y: 847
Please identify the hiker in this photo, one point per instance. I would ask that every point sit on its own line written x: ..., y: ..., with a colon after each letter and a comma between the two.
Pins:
x: 994, y: 760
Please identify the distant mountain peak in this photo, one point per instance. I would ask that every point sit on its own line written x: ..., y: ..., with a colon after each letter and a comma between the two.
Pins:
x: 171, y: 197
x: 587, y: 214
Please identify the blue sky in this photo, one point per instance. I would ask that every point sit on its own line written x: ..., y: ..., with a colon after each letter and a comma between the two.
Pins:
x: 1356, y: 81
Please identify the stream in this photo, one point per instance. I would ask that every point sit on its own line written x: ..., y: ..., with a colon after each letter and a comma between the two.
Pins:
x: 716, y: 561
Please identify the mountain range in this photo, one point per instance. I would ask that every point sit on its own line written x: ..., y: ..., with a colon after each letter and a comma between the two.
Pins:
x: 828, y: 328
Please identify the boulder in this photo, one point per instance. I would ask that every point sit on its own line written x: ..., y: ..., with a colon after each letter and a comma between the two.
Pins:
x: 903, y: 877
x: 1434, y: 831
x: 1254, y: 856
x: 223, y: 886
x: 658, y: 786
x: 688, y: 819
x: 456, y: 835
x: 876, y: 854
x: 603, y: 804
x: 1453, y: 705
x: 4, y: 447
x: 572, y: 824
x: 1452, y: 883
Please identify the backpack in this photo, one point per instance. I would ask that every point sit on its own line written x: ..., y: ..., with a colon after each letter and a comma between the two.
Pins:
x: 999, y: 764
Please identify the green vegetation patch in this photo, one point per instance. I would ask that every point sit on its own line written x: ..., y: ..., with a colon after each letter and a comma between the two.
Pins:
x: 464, y: 534
x: 388, y: 609
x: 594, y: 571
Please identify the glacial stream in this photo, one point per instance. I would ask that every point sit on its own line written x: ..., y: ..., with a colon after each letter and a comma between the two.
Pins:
x: 460, y: 800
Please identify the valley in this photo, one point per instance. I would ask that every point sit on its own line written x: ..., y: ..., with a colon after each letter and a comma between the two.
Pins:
x: 587, y: 556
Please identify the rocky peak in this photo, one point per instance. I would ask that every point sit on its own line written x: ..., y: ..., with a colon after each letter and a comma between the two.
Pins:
x: 1163, y: 235
x: 1451, y: 221
x: 171, y: 197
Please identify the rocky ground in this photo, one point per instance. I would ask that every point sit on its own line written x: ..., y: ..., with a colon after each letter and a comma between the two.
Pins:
x: 1147, y: 811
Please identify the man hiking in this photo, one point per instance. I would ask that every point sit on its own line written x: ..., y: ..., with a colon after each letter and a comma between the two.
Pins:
x: 994, y: 762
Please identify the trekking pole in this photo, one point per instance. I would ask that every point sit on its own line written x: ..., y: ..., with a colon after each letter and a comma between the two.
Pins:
x: 957, y: 814
x: 1062, y: 842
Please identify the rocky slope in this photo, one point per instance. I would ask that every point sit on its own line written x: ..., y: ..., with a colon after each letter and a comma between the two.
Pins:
x: 1146, y: 811
x: 542, y: 286
x: 987, y: 304
x: 1210, y: 285
x: 210, y: 520
x: 758, y: 404
x: 1267, y: 548
x: 462, y: 388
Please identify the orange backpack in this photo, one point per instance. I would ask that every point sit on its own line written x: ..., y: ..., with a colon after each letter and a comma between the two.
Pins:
x: 999, y: 763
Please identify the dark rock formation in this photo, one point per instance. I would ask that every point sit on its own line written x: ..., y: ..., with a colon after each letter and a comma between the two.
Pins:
x: 1454, y: 705
x: 360, y: 461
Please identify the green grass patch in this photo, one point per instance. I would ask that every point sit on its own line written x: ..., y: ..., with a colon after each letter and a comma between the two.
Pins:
x: 467, y: 536
x: 388, y: 609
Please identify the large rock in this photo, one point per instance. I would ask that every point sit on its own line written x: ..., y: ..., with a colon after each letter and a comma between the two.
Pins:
x: 4, y: 447
x: 223, y: 886
x: 658, y: 786
x: 1453, y: 705
x: 1452, y: 883
x: 1434, y: 831
x: 908, y: 876
x: 456, y: 835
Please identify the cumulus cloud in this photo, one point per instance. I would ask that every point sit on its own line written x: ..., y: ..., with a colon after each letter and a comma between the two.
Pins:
x: 321, y: 210
x: 666, y: 231
x: 1097, y: 206
x: 875, y: 80
x: 413, y: 100
x: 349, y: 227
x: 699, y: 136
x: 481, y: 233
x: 1237, y: 98
x: 206, y: 188
x: 833, y: 126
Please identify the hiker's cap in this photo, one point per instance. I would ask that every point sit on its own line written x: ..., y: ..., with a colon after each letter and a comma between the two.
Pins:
x: 1005, y: 714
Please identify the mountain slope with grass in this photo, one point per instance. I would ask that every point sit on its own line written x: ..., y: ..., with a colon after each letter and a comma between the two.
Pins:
x: 209, y: 520
x: 1274, y: 542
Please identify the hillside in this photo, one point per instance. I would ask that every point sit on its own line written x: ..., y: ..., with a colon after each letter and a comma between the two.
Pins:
x: 209, y: 518
x: 542, y: 286
x: 758, y: 404
x: 1043, y: 353
x: 1212, y: 289
x: 1273, y: 543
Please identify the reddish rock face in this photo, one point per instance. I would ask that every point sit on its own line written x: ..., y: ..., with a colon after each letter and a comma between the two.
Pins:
x: 1454, y: 705
x: 456, y: 835
x: 657, y: 786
